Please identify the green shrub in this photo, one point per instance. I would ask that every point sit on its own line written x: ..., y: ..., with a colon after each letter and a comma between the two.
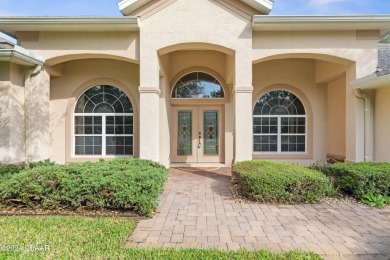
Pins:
x: 265, y: 181
x: 361, y: 179
x: 6, y: 169
x: 118, y: 184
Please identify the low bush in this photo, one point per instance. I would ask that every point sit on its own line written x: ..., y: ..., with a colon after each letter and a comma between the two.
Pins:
x: 361, y: 179
x: 130, y: 184
x: 266, y: 181
x: 6, y: 169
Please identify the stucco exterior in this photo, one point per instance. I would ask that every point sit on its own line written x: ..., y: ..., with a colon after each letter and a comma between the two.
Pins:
x: 146, y: 56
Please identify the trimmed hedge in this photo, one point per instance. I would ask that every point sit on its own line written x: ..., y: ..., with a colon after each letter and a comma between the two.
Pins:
x: 15, y: 168
x: 360, y: 179
x: 130, y: 184
x: 266, y: 181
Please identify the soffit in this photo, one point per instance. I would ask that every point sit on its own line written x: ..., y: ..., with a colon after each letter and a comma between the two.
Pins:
x: 129, y: 6
x: 321, y: 23
x: 10, y: 25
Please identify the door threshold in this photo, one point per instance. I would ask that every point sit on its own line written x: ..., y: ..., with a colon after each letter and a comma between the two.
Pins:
x: 197, y: 165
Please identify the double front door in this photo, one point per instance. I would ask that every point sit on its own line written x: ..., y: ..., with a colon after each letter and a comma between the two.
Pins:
x: 197, y: 135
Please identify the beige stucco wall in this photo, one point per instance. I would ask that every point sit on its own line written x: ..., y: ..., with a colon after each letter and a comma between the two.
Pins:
x: 12, y: 133
x: 76, y: 73
x: 382, y: 125
x: 336, y: 118
x: 299, y: 74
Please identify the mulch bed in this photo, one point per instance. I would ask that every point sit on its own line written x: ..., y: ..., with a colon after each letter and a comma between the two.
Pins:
x: 85, y: 212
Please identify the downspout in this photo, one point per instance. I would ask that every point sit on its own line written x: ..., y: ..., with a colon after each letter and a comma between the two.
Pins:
x: 27, y: 94
x: 368, y: 126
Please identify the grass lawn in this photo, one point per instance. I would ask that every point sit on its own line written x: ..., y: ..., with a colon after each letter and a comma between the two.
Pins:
x: 98, y: 238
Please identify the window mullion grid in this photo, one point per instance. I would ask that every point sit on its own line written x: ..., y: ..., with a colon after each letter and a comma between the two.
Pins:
x: 279, y: 134
x: 103, y: 135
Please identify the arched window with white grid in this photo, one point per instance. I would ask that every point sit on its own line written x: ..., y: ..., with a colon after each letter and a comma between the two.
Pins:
x: 103, y: 123
x: 279, y: 124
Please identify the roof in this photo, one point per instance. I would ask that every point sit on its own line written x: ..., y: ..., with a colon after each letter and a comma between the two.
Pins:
x: 13, y: 53
x: 383, y: 60
x: 381, y: 77
x: 320, y: 22
x: 10, y: 25
x: 129, y: 6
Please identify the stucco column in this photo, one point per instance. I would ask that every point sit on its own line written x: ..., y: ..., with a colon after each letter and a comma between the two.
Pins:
x: 149, y: 123
x: 149, y: 120
x: 38, y: 117
x: 243, y: 123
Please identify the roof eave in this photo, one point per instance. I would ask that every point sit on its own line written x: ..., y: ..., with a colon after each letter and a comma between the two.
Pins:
x: 371, y: 82
x: 128, y: 6
x: 9, y: 25
x: 324, y: 22
x: 21, y: 56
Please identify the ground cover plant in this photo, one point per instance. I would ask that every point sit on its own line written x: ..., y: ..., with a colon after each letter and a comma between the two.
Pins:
x: 366, y: 181
x: 266, y: 181
x: 130, y: 184
x: 99, y: 238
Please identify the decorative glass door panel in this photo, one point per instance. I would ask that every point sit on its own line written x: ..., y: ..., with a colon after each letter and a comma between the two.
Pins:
x: 184, y: 139
x: 210, y: 133
x: 196, y: 136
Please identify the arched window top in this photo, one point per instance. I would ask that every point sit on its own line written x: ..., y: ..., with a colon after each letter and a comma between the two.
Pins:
x: 279, y: 102
x: 198, y: 85
x: 103, y: 99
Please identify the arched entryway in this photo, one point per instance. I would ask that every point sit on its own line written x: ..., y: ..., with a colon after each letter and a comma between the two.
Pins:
x: 198, y: 118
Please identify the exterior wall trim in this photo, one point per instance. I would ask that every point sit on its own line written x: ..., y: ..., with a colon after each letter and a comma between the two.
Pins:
x: 149, y: 90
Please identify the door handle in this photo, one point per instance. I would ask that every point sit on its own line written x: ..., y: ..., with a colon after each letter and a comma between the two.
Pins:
x: 200, y: 140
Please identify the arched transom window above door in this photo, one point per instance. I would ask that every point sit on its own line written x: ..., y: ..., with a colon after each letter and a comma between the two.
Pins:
x: 279, y: 124
x: 103, y: 123
x: 198, y: 85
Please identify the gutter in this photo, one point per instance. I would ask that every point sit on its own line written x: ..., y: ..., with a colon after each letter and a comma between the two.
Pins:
x: 20, y: 55
x: 322, y: 22
x: 368, y: 126
x: 371, y: 82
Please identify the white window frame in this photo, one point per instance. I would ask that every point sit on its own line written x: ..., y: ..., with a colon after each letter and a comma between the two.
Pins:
x: 103, y: 135
x: 279, y: 134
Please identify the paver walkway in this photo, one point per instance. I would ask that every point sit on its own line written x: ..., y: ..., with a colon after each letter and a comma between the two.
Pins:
x: 197, y: 210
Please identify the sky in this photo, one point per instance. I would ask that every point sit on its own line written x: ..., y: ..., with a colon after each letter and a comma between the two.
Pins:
x: 110, y: 8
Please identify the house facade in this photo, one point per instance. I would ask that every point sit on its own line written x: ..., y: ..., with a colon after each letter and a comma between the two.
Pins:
x: 194, y: 82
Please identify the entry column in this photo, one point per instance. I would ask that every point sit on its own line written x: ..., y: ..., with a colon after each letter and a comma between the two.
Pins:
x: 149, y: 123
x: 149, y: 120
x: 243, y: 123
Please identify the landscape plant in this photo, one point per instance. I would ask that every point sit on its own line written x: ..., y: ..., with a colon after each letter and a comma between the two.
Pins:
x: 129, y: 184
x: 266, y: 181
x: 366, y: 181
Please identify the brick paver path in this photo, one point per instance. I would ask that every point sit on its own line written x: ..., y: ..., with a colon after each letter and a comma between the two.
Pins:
x: 197, y: 210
